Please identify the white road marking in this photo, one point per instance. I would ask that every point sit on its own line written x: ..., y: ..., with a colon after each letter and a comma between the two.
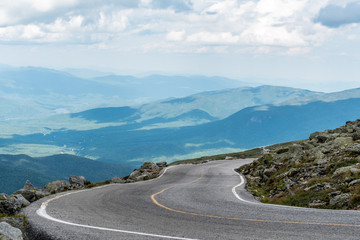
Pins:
x: 242, y: 181
x: 42, y: 213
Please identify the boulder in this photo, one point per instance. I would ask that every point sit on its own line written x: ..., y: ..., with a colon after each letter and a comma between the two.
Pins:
x: 9, y: 232
x: 9, y: 204
x: 354, y: 182
x: 57, y: 186
x: 117, y: 180
x: 341, y: 141
x: 23, y: 201
x: 31, y: 193
x: 317, y: 204
x: 340, y: 200
x: 161, y: 164
x: 77, y: 180
x: 352, y: 169
x: 28, y: 186
x: 150, y: 166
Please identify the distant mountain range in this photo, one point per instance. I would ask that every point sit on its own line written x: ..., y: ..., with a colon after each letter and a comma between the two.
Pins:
x: 30, y: 92
x: 39, y: 117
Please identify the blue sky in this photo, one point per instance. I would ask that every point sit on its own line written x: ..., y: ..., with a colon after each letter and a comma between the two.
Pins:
x: 303, y: 43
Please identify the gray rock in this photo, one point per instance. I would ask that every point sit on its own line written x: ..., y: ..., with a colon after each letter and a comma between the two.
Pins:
x: 10, y: 232
x: 340, y: 200
x: 317, y: 204
x: 24, y: 202
x: 117, y: 180
x: 57, y: 186
x: 77, y: 180
x: 31, y: 193
x: 269, y: 171
x: 352, y: 169
x: 341, y: 141
x: 354, y: 182
x: 9, y: 204
x: 150, y: 166
x: 161, y: 164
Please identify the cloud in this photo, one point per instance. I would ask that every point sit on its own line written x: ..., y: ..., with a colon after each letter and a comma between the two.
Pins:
x: 175, y: 36
x: 213, y: 37
x: 192, y: 24
x: 335, y: 16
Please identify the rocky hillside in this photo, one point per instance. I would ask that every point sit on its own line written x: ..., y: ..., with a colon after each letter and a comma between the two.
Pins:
x: 320, y: 172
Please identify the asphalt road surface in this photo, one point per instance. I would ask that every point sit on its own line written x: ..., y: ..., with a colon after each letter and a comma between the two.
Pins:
x: 188, y: 202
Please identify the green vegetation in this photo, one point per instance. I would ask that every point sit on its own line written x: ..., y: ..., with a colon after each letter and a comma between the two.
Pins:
x: 98, y: 184
x: 321, y: 172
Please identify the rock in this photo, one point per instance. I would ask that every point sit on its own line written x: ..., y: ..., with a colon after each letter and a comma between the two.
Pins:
x: 28, y: 186
x: 24, y: 202
x: 317, y: 204
x: 9, y: 204
x: 117, y: 180
x: 352, y: 169
x: 282, y: 150
x: 269, y: 171
x: 77, y: 180
x: 16, y: 222
x: 161, y: 164
x: 340, y: 200
x: 31, y: 193
x: 229, y: 158
x: 57, y: 186
x: 319, y: 137
x: 150, y: 166
x: 354, y: 182
x: 10, y: 232
x: 341, y: 141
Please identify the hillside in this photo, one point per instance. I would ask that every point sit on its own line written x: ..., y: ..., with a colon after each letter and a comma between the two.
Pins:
x: 248, y: 128
x: 33, y: 92
x: 16, y: 169
x: 321, y: 172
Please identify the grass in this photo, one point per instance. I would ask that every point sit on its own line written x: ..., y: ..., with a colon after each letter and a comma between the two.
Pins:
x: 97, y: 184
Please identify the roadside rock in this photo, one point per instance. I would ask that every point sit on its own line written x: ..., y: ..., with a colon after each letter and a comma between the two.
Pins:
x: 148, y: 170
x: 117, y: 180
x: 322, y: 171
x: 77, y: 180
x: 7, y: 232
x: 9, y: 204
x: 340, y: 200
x: 352, y: 169
x: 31, y: 193
x: 22, y: 200
x: 354, y: 182
x: 57, y: 186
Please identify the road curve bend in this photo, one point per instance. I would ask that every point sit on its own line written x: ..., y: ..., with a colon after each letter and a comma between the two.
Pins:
x: 205, y: 201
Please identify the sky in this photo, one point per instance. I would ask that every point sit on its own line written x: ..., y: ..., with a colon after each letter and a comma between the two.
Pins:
x: 312, y: 44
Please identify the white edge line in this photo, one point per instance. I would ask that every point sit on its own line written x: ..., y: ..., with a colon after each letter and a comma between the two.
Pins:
x: 42, y: 213
x: 242, y: 181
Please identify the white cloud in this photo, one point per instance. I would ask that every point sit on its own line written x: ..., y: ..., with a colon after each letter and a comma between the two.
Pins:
x: 213, y: 37
x: 194, y: 25
x: 175, y: 36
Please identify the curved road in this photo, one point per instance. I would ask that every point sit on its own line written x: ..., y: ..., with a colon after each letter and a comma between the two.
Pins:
x: 187, y: 202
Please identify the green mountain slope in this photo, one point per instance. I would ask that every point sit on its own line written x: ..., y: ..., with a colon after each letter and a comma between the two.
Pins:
x: 16, y: 169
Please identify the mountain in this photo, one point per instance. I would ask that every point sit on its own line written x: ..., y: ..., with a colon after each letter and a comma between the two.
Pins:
x: 30, y: 92
x: 16, y: 169
x: 248, y: 128
x: 223, y: 103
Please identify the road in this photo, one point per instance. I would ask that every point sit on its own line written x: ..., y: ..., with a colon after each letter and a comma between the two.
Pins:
x: 187, y: 202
